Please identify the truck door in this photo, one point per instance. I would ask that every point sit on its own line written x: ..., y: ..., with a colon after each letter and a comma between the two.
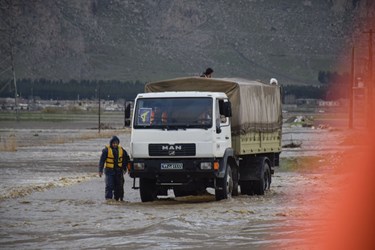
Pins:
x: 223, y: 130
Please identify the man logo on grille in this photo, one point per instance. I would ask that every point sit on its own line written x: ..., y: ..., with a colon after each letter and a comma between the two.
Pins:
x: 171, y: 149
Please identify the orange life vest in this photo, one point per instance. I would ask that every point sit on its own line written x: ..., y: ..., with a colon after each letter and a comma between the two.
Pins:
x: 110, y: 161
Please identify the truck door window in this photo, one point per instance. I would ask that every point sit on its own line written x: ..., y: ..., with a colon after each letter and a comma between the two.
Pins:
x: 220, y: 113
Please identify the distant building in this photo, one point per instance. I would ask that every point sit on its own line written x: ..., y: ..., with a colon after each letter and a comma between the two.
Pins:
x: 289, y: 99
x: 322, y: 103
x: 307, y: 102
x: 38, y: 104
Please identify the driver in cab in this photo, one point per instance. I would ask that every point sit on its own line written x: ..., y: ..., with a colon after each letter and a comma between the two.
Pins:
x: 158, y: 117
x: 206, y: 116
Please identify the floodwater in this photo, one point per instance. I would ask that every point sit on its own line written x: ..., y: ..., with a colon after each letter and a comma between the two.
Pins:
x: 51, y: 197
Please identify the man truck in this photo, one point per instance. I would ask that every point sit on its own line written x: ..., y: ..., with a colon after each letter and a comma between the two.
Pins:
x: 189, y: 134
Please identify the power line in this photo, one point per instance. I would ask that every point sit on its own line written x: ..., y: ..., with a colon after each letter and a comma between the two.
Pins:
x: 5, y: 59
x: 369, y: 82
x: 6, y: 85
x: 5, y: 70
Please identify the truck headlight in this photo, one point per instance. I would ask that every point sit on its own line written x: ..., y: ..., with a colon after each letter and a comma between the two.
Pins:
x: 206, y: 165
x: 139, y: 166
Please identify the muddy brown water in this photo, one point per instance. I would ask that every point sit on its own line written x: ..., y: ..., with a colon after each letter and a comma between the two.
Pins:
x: 51, y: 197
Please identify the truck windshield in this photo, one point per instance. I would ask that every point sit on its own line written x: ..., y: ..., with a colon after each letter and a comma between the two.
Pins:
x: 173, y: 113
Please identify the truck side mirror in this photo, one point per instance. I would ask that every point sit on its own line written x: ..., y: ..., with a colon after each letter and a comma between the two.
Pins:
x: 227, y: 109
x: 127, y: 111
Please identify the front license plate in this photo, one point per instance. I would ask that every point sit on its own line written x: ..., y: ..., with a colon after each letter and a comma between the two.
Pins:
x: 171, y: 166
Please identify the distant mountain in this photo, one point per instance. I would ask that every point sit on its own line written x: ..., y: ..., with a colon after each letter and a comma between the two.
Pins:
x: 148, y: 40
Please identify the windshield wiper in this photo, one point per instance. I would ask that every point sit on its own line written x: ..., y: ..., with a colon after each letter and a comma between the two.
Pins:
x: 173, y: 128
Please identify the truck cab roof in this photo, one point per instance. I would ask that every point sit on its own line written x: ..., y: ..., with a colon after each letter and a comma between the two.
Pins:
x: 166, y: 94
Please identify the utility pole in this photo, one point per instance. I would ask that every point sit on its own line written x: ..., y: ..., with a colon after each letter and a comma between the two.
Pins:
x: 99, y: 109
x: 124, y: 113
x: 15, y: 86
x: 351, y: 92
x: 11, y: 48
x: 369, y: 83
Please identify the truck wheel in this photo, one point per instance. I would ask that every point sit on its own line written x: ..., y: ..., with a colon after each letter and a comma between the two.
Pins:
x: 224, y: 186
x: 235, y: 182
x: 265, y: 180
x: 247, y: 187
x: 147, y: 189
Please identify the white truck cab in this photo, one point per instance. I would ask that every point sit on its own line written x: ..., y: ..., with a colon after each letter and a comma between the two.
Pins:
x: 177, y: 137
x: 170, y: 119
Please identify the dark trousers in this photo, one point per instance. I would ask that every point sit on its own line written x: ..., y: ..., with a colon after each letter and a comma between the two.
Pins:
x: 114, y: 183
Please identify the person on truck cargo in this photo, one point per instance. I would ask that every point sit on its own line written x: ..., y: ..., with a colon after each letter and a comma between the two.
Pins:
x: 208, y: 73
x: 273, y: 81
x: 113, y: 160
x: 158, y: 117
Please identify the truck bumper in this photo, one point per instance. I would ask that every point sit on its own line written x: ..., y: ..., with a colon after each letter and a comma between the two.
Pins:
x: 173, y: 172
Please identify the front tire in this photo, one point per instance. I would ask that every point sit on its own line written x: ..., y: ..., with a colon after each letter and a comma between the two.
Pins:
x: 147, y: 189
x: 224, y: 186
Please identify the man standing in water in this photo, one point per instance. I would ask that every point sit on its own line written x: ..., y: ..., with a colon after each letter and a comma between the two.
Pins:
x: 113, y: 160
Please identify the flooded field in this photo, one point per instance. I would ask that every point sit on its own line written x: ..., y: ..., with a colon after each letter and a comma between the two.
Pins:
x: 51, y: 197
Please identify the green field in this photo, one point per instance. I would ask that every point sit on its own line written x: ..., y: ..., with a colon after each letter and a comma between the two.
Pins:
x: 74, y: 120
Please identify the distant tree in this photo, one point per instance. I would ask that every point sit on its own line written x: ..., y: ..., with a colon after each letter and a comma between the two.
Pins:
x: 85, y: 89
x: 8, y: 32
x: 337, y: 84
x: 313, y: 92
x: 323, y: 77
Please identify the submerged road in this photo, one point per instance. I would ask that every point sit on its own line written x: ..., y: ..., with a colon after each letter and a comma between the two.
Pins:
x: 58, y: 202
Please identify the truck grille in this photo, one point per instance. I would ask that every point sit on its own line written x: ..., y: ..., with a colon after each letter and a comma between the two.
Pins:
x: 187, y: 149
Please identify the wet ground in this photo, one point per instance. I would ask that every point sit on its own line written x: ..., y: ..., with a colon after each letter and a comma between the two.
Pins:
x: 51, y: 197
